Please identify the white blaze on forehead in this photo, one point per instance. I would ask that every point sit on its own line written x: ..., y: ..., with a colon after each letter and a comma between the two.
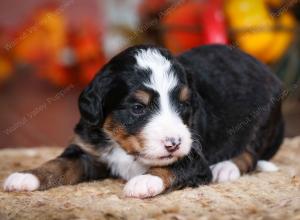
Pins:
x: 166, y: 122
x: 162, y: 79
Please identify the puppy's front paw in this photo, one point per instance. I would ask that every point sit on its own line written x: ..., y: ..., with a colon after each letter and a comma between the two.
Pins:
x: 225, y: 171
x: 144, y: 186
x: 21, y: 182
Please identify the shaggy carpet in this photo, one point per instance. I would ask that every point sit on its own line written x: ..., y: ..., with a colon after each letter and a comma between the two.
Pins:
x: 256, y: 196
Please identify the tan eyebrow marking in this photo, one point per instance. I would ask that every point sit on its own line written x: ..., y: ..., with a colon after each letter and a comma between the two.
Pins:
x: 184, y: 94
x: 143, y: 96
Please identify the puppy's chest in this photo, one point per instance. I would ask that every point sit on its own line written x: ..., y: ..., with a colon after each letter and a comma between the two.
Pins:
x: 122, y: 164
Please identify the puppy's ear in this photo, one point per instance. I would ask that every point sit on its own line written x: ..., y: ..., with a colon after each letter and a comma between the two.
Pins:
x: 101, y: 97
x: 91, y: 100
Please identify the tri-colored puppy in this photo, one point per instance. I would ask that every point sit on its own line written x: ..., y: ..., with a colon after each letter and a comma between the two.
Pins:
x: 163, y: 122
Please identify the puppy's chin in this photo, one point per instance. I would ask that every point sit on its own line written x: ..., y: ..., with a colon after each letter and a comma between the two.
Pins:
x: 162, y: 161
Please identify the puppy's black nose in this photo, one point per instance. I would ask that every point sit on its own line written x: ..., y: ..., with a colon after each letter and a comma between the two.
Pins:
x: 172, y: 144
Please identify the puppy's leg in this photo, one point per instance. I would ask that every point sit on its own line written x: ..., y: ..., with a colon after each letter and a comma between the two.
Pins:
x: 72, y: 167
x: 230, y: 170
x: 184, y: 173
x: 151, y: 184
x: 246, y: 161
x: 225, y: 171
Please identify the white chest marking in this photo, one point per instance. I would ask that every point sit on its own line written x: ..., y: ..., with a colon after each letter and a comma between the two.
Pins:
x: 122, y: 164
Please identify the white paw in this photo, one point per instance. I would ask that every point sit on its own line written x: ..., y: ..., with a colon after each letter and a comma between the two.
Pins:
x: 144, y: 186
x: 21, y: 182
x: 225, y: 171
x: 266, y: 166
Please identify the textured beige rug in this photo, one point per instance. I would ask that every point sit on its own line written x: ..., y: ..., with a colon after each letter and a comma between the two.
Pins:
x: 256, y: 196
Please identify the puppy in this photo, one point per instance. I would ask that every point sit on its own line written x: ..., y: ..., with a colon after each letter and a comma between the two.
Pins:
x: 162, y: 122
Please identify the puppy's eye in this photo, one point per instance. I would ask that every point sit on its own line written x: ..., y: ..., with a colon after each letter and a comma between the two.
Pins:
x: 138, y: 109
x: 184, y: 105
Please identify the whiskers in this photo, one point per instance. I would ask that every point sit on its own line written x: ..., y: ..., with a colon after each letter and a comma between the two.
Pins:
x: 197, y: 145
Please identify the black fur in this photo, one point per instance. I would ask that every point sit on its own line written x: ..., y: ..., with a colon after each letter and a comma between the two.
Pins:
x: 239, y: 96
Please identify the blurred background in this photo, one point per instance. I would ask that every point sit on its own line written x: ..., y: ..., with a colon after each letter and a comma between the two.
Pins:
x: 50, y: 49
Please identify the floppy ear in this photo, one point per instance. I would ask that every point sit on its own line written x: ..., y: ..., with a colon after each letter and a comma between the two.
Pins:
x: 91, y: 100
x: 103, y: 94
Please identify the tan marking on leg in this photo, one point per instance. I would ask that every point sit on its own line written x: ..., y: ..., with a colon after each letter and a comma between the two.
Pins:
x: 165, y: 174
x: 58, y: 172
x: 245, y: 162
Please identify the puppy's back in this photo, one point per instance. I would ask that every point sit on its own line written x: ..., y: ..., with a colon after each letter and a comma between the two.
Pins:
x: 229, y: 78
x: 240, y: 95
